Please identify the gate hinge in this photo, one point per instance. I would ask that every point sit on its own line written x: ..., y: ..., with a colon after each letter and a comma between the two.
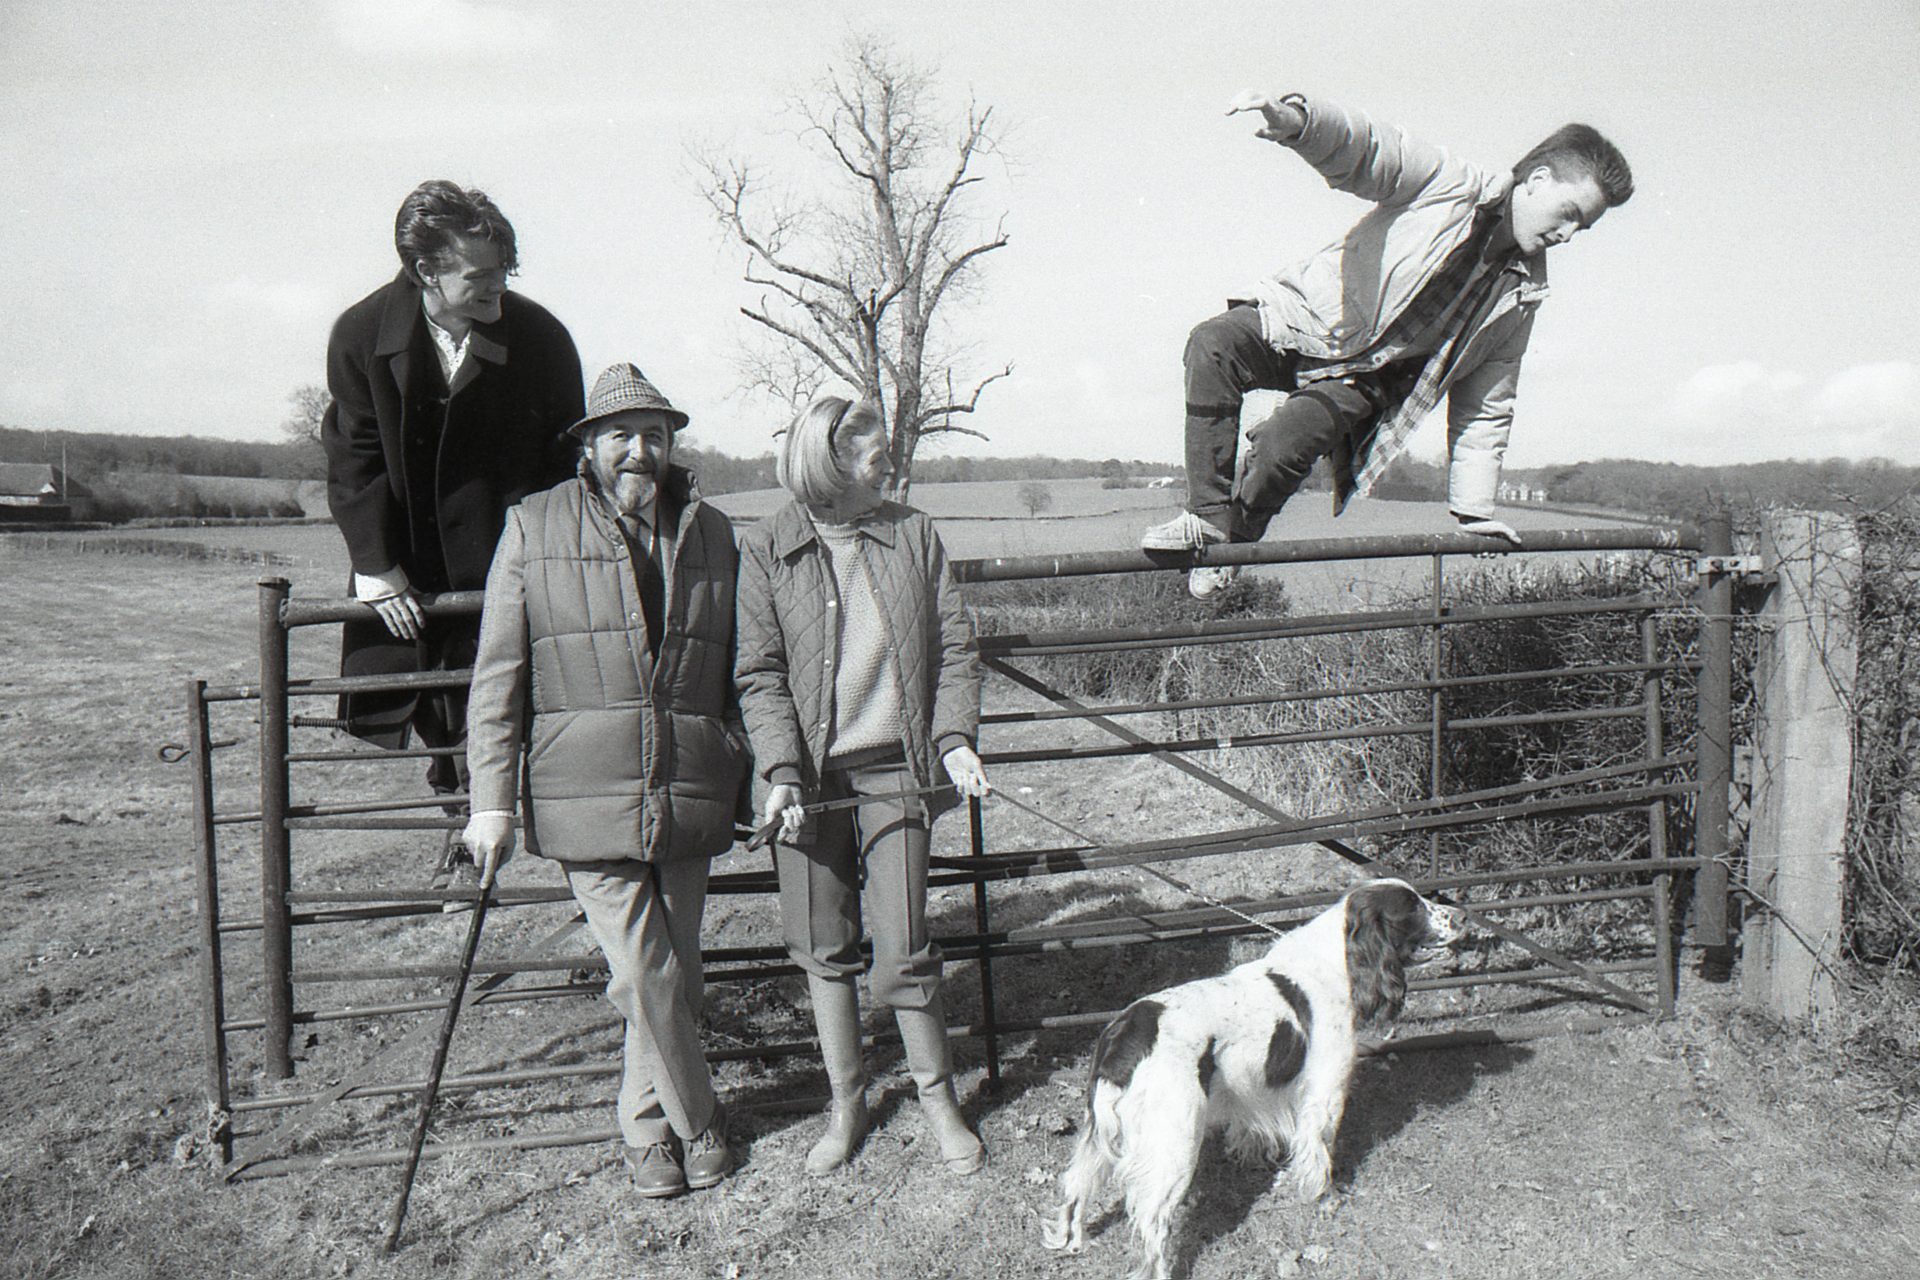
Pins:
x: 1751, y: 570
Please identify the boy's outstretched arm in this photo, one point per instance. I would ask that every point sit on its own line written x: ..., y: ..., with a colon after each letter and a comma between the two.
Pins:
x: 1283, y: 118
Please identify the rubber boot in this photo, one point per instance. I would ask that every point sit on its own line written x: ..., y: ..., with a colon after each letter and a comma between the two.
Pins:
x: 836, y: 1019
x: 923, y: 1032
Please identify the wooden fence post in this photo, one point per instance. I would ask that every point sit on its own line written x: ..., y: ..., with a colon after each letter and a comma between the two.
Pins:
x: 1802, y: 763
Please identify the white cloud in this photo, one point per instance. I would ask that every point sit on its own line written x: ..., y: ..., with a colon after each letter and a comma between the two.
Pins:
x: 1723, y: 393
x: 1748, y: 412
x: 1884, y: 395
x: 407, y: 29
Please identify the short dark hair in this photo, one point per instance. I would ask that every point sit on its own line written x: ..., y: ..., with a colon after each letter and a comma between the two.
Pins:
x: 1580, y: 151
x: 435, y: 212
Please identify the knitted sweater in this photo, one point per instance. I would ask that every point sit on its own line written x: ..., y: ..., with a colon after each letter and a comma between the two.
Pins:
x: 866, y: 697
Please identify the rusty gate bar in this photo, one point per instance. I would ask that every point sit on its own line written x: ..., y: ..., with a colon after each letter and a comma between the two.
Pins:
x: 1651, y: 690
x: 1436, y: 670
x: 1380, y: 547
x: 1324, y: 839
x: 305, y: 611
x: 1345, y: 691
x: 1178, y: 923
x: 1715, y: 710
x: 206, y: 868
x: 276, y: 854
x: 977, y: 842
x: 1234, y: 631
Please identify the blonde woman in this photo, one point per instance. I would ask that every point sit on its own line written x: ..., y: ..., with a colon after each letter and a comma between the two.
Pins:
x: 859, y: 678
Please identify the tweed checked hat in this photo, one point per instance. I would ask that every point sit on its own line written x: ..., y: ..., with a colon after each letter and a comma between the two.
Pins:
x: 623, y: 388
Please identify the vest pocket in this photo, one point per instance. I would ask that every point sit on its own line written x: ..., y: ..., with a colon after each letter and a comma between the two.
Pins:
x: 708, y: 762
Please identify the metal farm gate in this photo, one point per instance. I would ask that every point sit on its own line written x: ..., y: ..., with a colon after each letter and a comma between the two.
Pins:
x: 313, y: 938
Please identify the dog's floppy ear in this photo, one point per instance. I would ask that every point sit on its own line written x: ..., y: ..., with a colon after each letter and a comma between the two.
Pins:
x: 1379, y: 920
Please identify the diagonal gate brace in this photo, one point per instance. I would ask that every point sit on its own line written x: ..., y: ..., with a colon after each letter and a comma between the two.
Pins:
x: 1370, y: 865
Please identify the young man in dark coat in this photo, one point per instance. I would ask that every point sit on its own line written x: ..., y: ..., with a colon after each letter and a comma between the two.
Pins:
x: 451, y: 401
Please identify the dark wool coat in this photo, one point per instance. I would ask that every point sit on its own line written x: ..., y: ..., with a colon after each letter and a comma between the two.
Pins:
x: 788, y: 618
x: 632, y: 753
x: 436, y: 508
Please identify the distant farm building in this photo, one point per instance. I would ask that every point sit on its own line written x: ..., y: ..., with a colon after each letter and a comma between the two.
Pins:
x: 1512, y: 492
x: 38, y: 493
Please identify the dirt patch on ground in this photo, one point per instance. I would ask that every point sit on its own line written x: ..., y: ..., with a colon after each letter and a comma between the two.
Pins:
x: 1709, y: 1145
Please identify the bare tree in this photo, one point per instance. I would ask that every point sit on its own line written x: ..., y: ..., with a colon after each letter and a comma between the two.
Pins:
x: 856, y: 280
x: 1035, y: 497
x: 310, y: 404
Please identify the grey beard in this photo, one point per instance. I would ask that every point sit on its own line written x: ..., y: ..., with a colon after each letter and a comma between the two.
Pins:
x: 629, y: 492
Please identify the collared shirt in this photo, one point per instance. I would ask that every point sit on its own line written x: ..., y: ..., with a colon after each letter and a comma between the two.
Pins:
x: 452, y: 353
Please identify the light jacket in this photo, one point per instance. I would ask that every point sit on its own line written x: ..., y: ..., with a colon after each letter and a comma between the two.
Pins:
x: 631, y: 753
x: 1337, y: 303
x: 789, y: 628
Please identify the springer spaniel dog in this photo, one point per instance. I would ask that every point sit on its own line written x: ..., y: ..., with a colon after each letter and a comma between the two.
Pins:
x: 1263, y: 1051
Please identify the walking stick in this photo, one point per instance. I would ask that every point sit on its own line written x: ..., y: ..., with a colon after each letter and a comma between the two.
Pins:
x: 439, y: 1065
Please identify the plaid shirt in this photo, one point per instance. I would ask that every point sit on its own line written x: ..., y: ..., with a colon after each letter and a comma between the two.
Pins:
x: 1454, y: 305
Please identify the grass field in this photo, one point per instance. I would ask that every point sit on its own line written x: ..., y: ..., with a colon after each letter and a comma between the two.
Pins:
x: 987, y: 520
x: 1711, y: 1145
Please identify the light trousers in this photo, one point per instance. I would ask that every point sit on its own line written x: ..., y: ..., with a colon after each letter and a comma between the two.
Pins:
x: 646, y: 918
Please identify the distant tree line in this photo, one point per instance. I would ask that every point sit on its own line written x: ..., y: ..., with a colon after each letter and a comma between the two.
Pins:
x: 1664, y: 489
x: 723, y: 473
x: 1678, y: 492
x: 953, y: 470
x: 92, y: 457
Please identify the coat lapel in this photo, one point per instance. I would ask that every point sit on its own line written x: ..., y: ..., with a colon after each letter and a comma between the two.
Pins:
x: 395, y: 339
x: 481, y: 345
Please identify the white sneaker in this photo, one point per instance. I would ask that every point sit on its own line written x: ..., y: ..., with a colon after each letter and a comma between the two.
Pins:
x: 1185, y: 532
x: 1210, y: 580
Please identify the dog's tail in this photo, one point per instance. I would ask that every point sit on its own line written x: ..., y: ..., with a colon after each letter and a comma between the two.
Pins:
x: 1122, y: 1045
x: 1103, y: 1117
x: 1098, y: 1150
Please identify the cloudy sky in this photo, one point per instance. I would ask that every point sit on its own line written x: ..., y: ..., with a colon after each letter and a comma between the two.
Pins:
x: 192, y: 191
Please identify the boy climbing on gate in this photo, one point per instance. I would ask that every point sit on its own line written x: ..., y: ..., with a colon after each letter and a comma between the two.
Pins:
x: 1432, y: 293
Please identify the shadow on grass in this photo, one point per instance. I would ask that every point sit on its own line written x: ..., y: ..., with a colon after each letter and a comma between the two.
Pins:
x: 1388, y: 1095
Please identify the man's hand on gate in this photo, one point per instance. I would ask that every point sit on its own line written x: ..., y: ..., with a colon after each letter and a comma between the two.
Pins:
x: 1283, y: 121
x: 489, y: 837
x: 394, y: 599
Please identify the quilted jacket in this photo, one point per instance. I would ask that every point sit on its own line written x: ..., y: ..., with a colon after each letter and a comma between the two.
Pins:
x: 632, y: 753
x: 788, y: 629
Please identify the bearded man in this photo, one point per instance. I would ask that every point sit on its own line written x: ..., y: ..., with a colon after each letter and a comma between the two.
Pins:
x: 606, y: 651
